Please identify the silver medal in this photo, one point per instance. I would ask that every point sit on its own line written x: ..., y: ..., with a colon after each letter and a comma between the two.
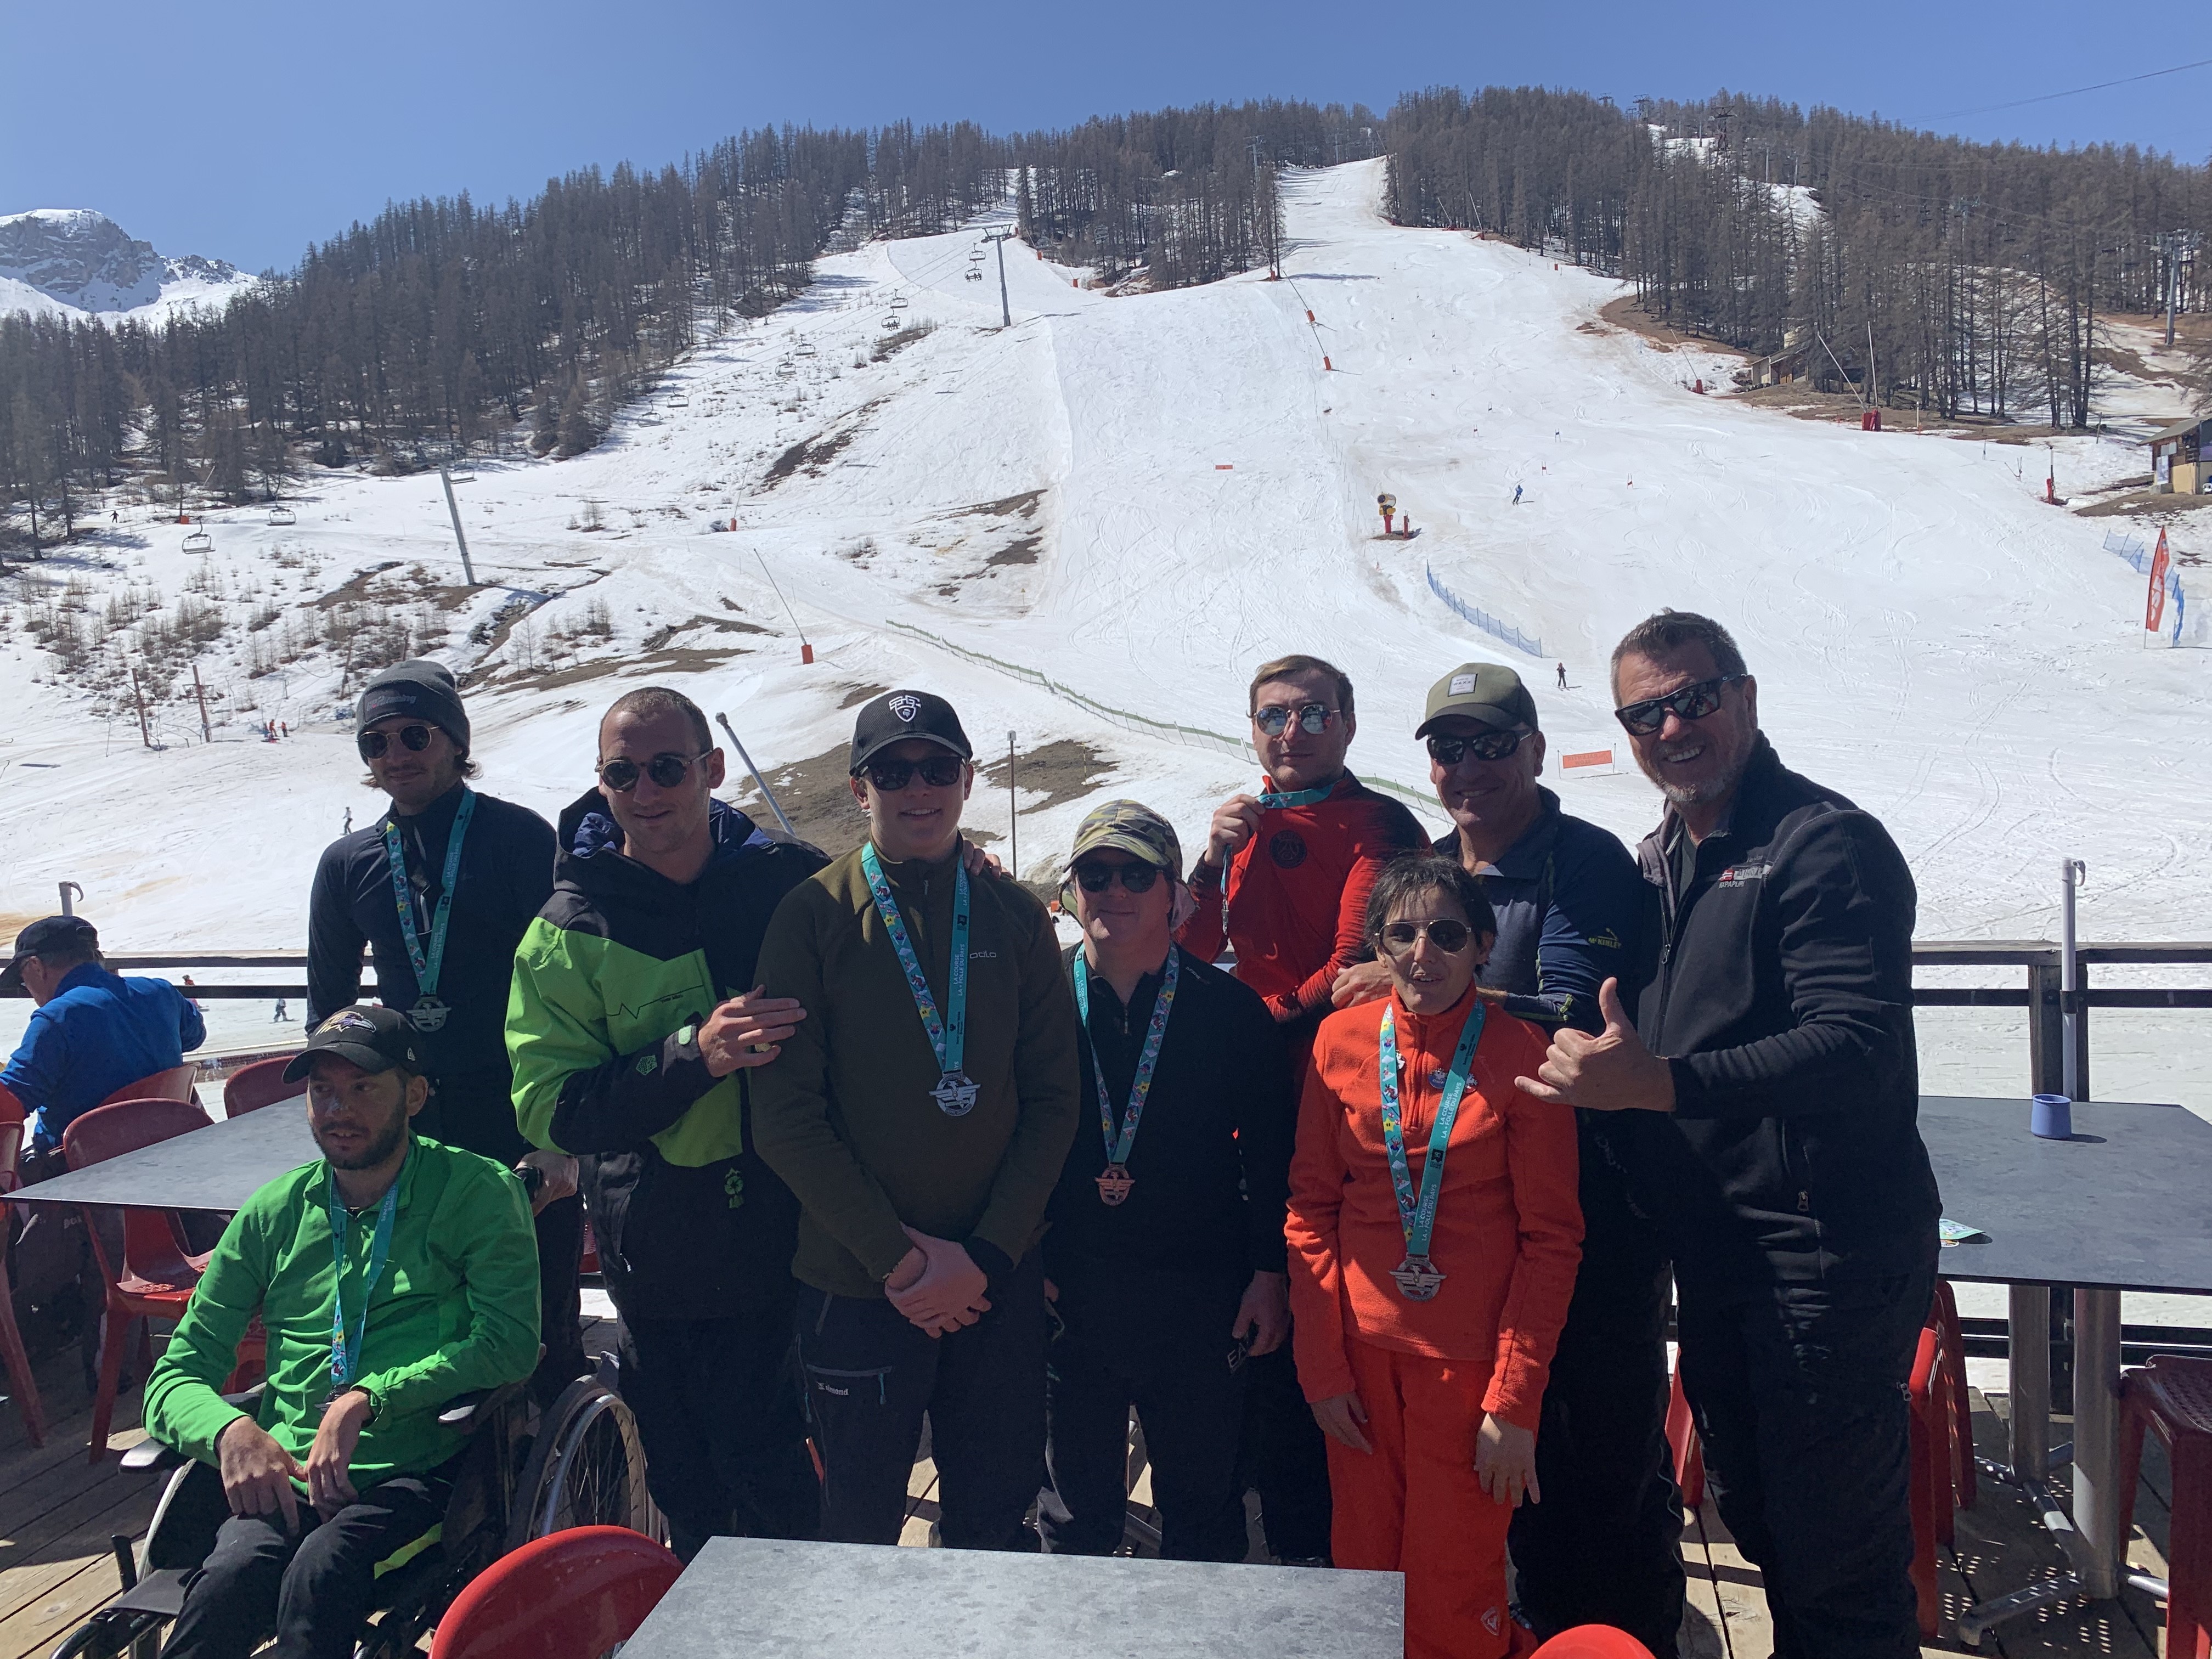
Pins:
x: 955, y: 1094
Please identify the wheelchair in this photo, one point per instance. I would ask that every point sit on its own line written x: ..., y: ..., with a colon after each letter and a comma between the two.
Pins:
x: 525, y: 1474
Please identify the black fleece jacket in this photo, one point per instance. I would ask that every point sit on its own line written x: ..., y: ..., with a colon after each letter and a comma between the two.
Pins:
x: 1782, y: 994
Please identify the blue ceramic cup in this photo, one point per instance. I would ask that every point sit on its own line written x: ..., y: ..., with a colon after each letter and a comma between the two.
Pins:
x: 2053, y: 1119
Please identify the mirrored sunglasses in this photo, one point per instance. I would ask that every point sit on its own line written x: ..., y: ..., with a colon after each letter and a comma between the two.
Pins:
x: 1493, y: 746
x: 938, y: 772
x: 1313, y: 717
x: 1399, y: 938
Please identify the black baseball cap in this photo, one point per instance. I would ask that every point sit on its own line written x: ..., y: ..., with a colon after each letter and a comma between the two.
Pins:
x: 375, y: 1039
x: 49, y: 936
x: 897, y: 715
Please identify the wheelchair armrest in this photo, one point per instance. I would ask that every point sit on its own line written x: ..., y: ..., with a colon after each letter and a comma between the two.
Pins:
x: 471, y: 1412
x: 149, y: 1455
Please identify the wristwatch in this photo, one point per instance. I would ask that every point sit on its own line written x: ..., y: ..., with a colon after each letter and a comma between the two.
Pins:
x: 687, y: 1040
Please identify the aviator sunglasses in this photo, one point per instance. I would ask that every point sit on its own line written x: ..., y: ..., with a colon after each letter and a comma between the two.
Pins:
x: 374, y: 745
x: 1135, y: 877
x: 1314, y: 717
x: 1493, y: 746
x: 1692, y: 703
x: 938, y: 772
x: 1450, y: 937
x: 666, y: 770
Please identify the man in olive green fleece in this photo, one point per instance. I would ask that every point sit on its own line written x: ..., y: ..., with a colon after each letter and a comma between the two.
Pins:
x: 424, y: 1256
x: 920, y: 1113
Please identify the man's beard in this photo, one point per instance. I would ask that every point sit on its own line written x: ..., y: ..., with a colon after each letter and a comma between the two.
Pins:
x: 1689, y: 794
x: 381, y: 1147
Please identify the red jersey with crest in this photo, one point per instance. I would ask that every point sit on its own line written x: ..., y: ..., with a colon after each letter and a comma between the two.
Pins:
x: 1298, y: 894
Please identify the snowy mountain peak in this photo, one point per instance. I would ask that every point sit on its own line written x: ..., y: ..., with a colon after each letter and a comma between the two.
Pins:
x: 79, y: 263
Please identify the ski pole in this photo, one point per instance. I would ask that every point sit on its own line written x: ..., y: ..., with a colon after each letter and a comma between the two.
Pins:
x: 767, y: 792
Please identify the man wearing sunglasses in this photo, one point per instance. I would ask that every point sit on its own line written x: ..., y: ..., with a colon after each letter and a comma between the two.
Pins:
x: 1772, y: 1050
x: 1603, y: 1545
x: 1283, y: 880
x: 921, y: 1112
x: 1166, y: 1256
x: 637, y: 1026
x: 440, y: 889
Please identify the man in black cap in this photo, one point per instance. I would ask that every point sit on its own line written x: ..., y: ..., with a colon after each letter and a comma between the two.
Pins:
x: 1603, y: 1545
x: 440, y: 890
x: 93, y: 1032
x: 921, y: 1112
x: 343, y: 1460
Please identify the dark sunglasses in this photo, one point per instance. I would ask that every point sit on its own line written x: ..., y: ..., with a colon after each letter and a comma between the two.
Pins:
x: 938, y: 772
x: 1493, y: 746
x: 1135, y: 877
x: 1313, y: 716
x: 373, y: 745
x: 1450, y: 937
x: 666, y: 770
x: 1692, y: 703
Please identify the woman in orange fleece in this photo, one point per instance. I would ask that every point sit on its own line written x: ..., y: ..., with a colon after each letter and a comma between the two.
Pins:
x: 1434, y: 1233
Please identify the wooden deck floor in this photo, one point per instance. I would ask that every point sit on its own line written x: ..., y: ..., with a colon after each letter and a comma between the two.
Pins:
x: 58, y: 1513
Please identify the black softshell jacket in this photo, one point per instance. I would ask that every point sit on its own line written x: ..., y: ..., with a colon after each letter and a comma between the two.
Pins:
x: 1781, y: 989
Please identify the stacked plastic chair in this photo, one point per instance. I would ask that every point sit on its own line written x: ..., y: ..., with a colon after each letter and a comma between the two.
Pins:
x: 2172, y: 1397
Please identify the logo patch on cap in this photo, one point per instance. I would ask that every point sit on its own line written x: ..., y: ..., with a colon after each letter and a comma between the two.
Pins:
x: 347, y: 1019
x: 1461, y: 685
x: 906, y: 706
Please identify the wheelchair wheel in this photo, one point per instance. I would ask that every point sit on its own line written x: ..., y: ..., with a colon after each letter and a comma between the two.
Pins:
x: 586, y: 1468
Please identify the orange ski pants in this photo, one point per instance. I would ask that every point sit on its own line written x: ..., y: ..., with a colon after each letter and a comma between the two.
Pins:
x: 1413, y: 1506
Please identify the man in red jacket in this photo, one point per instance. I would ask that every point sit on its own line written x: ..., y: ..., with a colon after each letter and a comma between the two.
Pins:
x: 1283, y: 881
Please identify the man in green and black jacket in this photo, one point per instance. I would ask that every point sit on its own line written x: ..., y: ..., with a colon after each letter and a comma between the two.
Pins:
x: 633, y: 1024
x: 921, y: 1112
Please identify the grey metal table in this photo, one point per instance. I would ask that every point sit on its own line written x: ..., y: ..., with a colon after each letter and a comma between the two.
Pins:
x: 753, y: 1598
x: 2121, y: 1206
x: 215, y: 1169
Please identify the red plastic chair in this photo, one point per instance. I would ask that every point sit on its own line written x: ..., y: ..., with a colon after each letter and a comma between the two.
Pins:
x: 1593, y: 1642
x: 250, y: 1088
x: 1682, y: 1440
x: 155, y: 1279
x: 175, y: 1084
x: 1965, y: 1486
x: 2171, y: 1396
x: 20, y: 1382
x: 571, y: 1595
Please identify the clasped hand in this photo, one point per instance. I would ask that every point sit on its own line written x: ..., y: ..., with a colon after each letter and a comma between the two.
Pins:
x: 257, y: 1472
x: 747, y: 1032
x: 938, y: 1285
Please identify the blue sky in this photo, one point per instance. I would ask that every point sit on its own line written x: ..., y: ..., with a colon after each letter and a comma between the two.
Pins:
x: 244, y: 129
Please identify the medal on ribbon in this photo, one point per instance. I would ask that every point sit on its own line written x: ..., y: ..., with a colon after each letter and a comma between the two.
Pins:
x: 428, y: 1013
x: 955, y: 1092
x: 1417, y: 1276
x: 1272, y: 801
x: 1113, y: 1185
x: 345, y: 1349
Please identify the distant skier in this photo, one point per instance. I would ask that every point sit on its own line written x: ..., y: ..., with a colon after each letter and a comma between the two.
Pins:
x: 1517, y: 494
x: 1563, y: 676
x: 280, y: 1017
x: 349, y: 823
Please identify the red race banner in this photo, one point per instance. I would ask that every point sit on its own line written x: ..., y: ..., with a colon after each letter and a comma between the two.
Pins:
x: 2155, y: 602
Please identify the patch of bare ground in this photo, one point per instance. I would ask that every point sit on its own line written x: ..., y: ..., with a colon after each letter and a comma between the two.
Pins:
x: 1024, y: 551
x: 1023, y: 505
x: 2144, y: 503
x: 681, y: 660
x: 1064, y: 770
x: 859, y: 694
x: 816, y: 796
x: 1627, y: 313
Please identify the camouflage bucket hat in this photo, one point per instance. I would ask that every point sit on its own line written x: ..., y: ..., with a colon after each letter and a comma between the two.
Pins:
x: 1130, y: 827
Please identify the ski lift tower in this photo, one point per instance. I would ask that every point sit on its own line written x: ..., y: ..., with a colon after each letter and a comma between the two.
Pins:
x: 1005, y: 311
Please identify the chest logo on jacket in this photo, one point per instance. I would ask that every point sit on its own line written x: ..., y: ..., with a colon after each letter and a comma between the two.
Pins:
x: 1288, y: 850
x: 1736, y: 874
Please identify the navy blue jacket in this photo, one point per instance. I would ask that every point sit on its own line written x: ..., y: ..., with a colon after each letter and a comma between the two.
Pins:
x: 1569, y: 903
x: 100, y: 1032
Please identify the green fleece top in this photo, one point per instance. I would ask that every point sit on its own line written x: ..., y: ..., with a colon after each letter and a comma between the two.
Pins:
x: 456, y: 1310
x: 844, y: 1114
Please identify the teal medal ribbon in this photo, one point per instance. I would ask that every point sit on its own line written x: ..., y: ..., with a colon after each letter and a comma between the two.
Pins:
x: 345, y: 1352
x: 955, y: 1093
x: 1113, y: 1185
x: 1417, y: 1276
x: 1270, y: 801
x: 428, y: 1013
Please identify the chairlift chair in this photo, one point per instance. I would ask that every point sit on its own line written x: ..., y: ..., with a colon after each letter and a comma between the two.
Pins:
x: 806, y: 349
x: 280, y: 513
x: 681, y: 400
x: 199, y: 541
x: 891, y: 322
x: 462, y: 474
x: 898, y: 303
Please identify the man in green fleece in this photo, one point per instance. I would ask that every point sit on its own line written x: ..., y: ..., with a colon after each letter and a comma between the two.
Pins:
x: 921, y: 1112
x: 391, y: 1276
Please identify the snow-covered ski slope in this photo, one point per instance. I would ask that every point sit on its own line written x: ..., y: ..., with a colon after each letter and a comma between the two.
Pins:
x: 1142, y: 498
